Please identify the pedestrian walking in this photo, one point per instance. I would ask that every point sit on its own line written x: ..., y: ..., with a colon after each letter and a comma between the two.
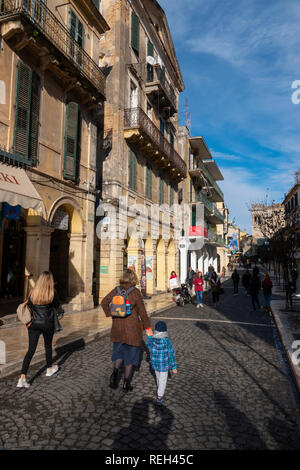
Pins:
x: 43, y: 303
x: 294, y: 276
x: 190, y: 277
x: 267, y: 291
x: 162, y: 357
x: 223, y: 271
x: 236, y: 279
x: 198, y: 283
x: 246, y: 278
x: 214, y: 283
x: 126, y: 332
x: 255, y: 285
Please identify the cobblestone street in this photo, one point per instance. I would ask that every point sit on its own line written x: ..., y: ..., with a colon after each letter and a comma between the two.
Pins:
x: 233, y: 391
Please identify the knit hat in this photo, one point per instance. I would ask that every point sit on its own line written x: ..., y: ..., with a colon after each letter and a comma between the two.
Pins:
x: 160, y: 326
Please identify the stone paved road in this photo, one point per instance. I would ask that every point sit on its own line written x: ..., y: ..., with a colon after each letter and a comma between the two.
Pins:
x: 233, y: 391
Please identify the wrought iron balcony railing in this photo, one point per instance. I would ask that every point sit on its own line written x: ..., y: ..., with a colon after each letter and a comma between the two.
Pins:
x: 200, y: 197
x: 47, y: 24
x: 155, y: 74
x: 210, y: 179
x: 136, y: 118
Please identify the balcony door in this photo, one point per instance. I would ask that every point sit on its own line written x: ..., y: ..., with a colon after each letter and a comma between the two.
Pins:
x: 76, y: 31
x: 133, y: 104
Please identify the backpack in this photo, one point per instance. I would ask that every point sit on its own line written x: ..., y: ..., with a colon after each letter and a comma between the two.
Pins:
x: 118, y: 303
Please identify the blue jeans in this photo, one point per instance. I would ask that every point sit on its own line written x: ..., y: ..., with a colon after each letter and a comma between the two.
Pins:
x: 199, y: 296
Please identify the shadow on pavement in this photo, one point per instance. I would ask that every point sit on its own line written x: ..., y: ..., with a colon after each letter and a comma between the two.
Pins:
x: 242, y: 431
x: 62, y: 354
x: 141, y: 435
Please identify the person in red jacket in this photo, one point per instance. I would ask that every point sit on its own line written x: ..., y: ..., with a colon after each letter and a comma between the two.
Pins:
x: 198, y: 283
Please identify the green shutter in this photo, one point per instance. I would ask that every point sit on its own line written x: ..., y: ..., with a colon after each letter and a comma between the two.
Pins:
x: 27, y: 113
x: 71, y: 141
x: 34, y: 118
x: 22, y: 113
x: 161, y: 190
x: 96, y: 2
x: 135, y: 32
x: 191, y: 190
x: 132, y: 163
x: 149, y: 181
x: 76, y: 30
x: 150, y: 49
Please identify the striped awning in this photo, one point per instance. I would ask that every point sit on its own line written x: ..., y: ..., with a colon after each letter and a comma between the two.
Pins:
x: 16, y: 188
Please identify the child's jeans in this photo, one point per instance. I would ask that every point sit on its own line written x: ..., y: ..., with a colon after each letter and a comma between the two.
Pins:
x: 161, y: 379
x: 199, y: 296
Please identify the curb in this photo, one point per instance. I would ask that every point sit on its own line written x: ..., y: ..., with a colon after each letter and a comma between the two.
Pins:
x: 286, y: 340
x: 13, y: 367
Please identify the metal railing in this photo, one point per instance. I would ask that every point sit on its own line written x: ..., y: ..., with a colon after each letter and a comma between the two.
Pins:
x: 156, y: 74
x: 215, y: 238
x: 200, y: 197
x: 135, y: 118
x: 13, y: 159
x: 47, y: 23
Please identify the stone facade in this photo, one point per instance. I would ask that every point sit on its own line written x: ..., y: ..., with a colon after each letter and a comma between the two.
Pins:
x: 141, y: 169
x: 58, y: 46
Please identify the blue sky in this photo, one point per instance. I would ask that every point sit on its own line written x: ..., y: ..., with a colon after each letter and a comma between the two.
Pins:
x: 239, y: 59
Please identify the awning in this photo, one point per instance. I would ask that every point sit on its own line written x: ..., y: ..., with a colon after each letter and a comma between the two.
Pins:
x: 16, y: 188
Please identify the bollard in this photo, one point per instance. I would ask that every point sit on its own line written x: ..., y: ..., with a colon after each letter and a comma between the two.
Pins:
x: 2, y: 353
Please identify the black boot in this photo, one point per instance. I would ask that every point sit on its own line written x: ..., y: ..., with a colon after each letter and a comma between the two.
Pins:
x: 113, y: 381
x: 126, y: 386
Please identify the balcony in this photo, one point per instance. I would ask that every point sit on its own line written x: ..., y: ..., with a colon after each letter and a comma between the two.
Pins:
x: 29, y: 27
x: 212, y: 212
x: 141, y: 132
x: 209, y: 235
x: 198, y: 173
x: 160, y: 91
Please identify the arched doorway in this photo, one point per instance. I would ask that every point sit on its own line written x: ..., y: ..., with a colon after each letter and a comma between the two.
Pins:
x: 161, y: 266
x: 66, y: 223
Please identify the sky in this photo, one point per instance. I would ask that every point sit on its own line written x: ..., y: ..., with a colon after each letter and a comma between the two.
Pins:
x: 239, y: 60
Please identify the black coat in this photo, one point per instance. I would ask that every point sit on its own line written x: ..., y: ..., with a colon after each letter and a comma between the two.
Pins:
x: 43, y: 315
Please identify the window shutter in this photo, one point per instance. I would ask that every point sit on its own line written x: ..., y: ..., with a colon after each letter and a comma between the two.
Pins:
x: 135, y: 32
x: 171, y: 195
x: 132, y: 170
x: 22, y: 113
x: 71, y: 141
x: 150, y: 49
x: 161, y: 190
x: 149, y: 181
x: 34, y: 118
x: 96, y: 2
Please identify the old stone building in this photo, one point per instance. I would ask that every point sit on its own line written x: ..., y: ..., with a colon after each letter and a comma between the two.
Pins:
x: 52, y: 91
x: 203, y: 243
x: 141, y: 167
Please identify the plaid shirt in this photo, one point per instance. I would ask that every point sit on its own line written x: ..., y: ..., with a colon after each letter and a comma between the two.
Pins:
x: 162, y: 355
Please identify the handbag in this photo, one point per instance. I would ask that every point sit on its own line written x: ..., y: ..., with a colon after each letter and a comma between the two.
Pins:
x: 57, y: 325
x: 24, y: 313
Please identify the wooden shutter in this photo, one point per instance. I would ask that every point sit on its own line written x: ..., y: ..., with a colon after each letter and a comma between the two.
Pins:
x: 149, y: 181
x: 96, y: 2
x: 171, y: 195
x: 34, y: 118
x: 132, y: 170
x: 71, y: 141
x: 22, y: 114
x: 150, y: 49
x: 135, y: 32
x: 161, y: 190
x: 76, y: 30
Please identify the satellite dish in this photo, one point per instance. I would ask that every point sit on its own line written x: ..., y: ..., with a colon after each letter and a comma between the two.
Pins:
x: 150, y: 60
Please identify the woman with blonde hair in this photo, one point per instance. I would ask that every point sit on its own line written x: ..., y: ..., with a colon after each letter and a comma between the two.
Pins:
x: 42, y: 302
x: 126, y: 332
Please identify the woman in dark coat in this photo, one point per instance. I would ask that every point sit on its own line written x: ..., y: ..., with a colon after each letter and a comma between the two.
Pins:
x: 126, y: 333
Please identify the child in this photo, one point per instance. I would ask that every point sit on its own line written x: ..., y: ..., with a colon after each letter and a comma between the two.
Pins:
x: 162, y: 356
